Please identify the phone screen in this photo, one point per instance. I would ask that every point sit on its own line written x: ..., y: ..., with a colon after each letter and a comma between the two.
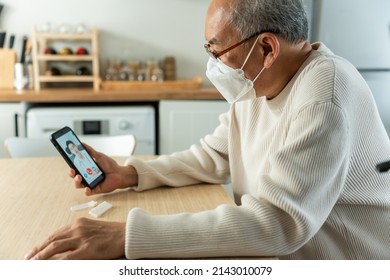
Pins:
x: 77, y: 156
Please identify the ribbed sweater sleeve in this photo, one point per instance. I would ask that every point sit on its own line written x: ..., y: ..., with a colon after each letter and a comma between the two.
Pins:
x: 205, y: 163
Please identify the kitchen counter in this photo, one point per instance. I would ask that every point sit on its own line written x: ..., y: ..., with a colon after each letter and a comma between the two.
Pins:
x: 89, y: 95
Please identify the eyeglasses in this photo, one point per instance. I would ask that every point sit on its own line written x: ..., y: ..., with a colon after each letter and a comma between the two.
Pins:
x: 215, y: 55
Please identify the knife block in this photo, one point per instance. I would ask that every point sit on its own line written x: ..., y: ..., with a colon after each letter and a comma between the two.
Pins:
x: 7, y: 71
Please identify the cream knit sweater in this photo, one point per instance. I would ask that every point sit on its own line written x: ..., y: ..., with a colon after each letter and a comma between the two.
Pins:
x: 303, y: 172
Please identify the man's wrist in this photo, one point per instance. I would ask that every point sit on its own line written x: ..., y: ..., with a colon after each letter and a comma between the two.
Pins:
x: 130, y: 176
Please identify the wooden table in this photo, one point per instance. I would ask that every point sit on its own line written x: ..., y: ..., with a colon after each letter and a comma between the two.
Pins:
x: 36, y: 195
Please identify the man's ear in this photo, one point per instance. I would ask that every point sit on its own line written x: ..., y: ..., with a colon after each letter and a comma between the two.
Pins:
x: 271, y: 48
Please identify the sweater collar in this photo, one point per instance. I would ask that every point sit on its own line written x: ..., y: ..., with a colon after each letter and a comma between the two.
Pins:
x: 277, y: 103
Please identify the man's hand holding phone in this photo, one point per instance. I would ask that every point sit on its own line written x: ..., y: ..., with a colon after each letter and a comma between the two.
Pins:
x: 117, y: 176
x: 89, y: 168
x: 75, y: 154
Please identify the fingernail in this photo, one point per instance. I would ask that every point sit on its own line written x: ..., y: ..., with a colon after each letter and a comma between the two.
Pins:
x: 28, y: 255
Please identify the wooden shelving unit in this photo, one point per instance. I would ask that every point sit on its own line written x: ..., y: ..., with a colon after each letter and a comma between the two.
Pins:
x: 40, y: 41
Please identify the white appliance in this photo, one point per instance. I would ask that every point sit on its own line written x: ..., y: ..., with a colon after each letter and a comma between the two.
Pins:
x: 91, y: 120
x: 360, y: 32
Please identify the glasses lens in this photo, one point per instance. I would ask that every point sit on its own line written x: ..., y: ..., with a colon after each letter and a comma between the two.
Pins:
x: 209, y: 51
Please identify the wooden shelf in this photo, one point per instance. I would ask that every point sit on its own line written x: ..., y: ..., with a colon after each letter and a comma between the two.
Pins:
x: 65, y: 36
x: 59, y: 57
x: 40, y: 41
x: 64, y: 79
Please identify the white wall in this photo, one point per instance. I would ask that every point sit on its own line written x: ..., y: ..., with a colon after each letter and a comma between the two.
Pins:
x: 128, y: 28
x: 310, y: 5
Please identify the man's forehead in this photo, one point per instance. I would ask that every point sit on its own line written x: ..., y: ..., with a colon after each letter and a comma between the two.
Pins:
x: 217, y: 27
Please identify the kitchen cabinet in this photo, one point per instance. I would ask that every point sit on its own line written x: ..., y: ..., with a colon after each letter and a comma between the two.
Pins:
x: 183, y: 123
x: 81, y: 60
x: 12, y: 123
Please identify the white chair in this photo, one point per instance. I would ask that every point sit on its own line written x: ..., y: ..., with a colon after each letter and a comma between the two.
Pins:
x: 19, y: 147
x: 115, y: 146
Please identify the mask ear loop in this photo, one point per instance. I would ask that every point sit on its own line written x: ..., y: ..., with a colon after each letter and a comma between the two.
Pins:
x: 258, y: 75
x: 250, y: 52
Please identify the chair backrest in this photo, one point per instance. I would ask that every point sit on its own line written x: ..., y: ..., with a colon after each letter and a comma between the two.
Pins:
x: 119, y: 145
x: 19, y: 147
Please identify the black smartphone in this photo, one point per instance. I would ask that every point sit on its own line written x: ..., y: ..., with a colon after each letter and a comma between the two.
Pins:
x: 72, y: 150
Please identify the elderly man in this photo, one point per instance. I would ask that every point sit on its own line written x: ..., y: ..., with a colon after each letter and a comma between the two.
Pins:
x: 300, y: 144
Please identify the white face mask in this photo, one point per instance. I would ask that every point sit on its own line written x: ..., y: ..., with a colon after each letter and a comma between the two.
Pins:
x: 231, y: 83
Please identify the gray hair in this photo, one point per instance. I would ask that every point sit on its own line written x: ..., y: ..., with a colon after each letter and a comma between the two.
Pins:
x: 287, y: 18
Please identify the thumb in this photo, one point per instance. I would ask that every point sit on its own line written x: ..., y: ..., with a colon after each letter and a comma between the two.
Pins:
x: 97, y: 190
x: 91, y: 151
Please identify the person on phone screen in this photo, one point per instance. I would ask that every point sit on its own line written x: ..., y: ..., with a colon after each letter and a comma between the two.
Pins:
x: 299, y: 144
x: 81, y: 160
